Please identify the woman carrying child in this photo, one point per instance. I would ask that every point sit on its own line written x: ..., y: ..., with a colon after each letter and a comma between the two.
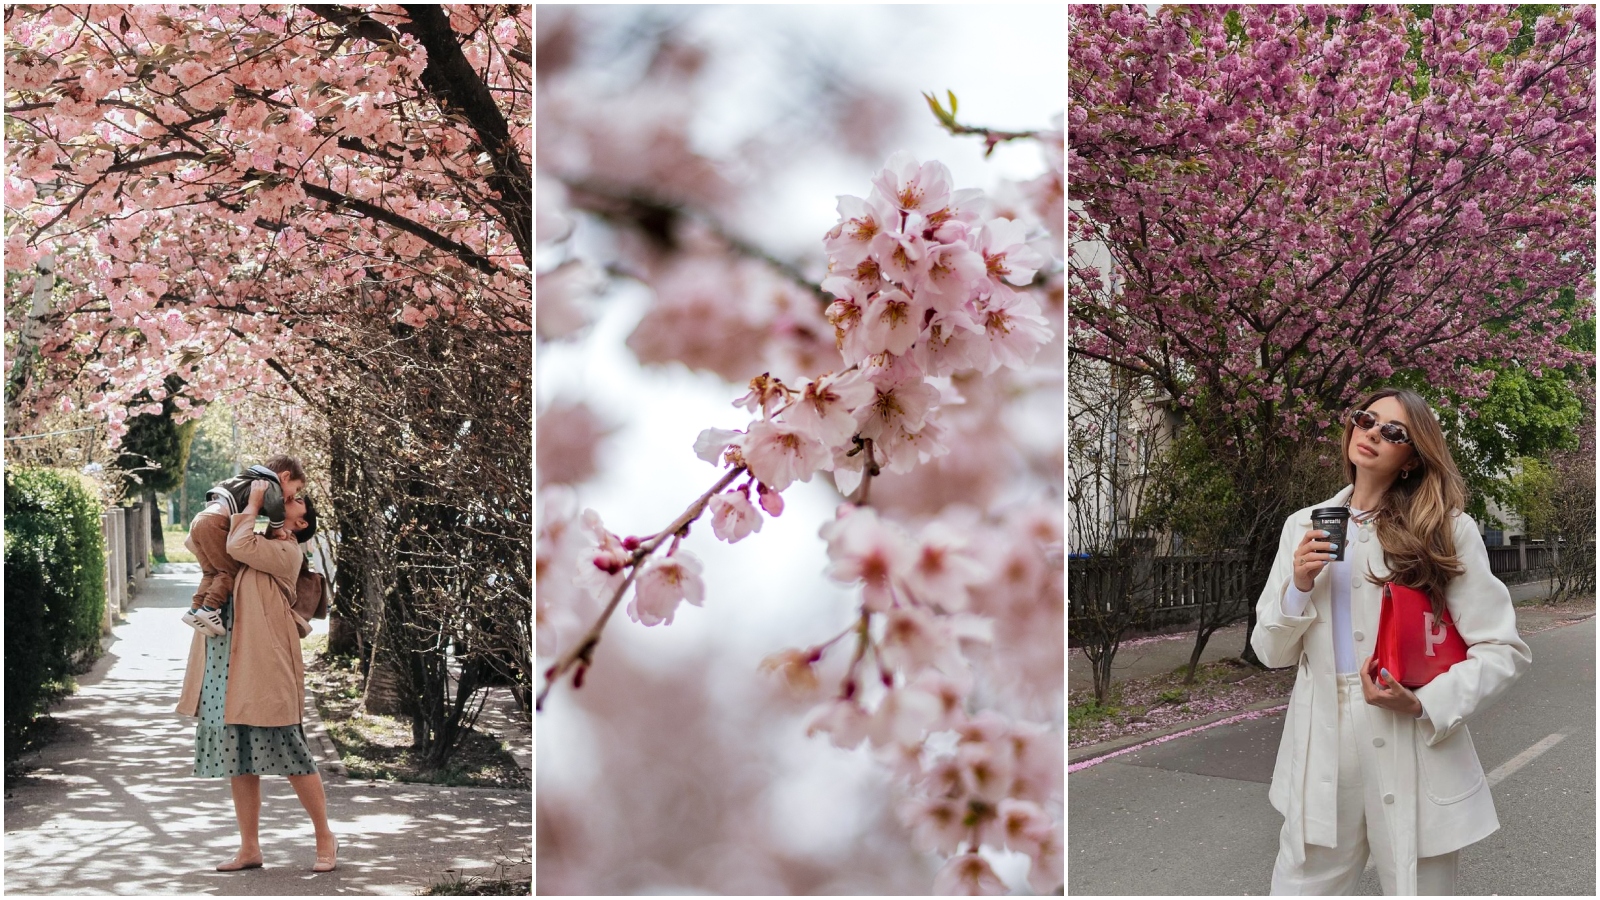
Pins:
x: 248, y: 688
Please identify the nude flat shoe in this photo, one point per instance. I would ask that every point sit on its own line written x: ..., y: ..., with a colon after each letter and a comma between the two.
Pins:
x: 330, y: 863
x: 235, y: 865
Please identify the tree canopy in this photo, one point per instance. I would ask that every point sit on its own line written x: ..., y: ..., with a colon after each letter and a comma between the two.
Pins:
x: 226, y: 189
x: 1301, y: 202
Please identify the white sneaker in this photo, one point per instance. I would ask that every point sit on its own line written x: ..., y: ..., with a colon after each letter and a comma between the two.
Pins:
x: 205, y: 621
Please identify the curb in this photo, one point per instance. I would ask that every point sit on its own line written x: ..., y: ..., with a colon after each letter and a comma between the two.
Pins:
x: 1106, y: 748
x: 322, y: 746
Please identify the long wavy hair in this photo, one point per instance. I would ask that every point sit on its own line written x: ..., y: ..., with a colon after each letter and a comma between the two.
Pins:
x: 1415, y: 515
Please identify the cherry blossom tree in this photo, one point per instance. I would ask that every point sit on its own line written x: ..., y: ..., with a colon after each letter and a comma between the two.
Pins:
x: 1301, y: 203
x: 879, y: 361
x: 325, y: 211
x: 214, y: 184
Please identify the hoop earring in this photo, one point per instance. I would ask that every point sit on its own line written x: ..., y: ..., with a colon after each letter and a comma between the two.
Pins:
x: 1404, y: 474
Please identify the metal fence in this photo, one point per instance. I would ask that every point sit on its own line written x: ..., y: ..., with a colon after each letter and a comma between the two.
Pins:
x: 1172, y: 588
x: 1175, y: 588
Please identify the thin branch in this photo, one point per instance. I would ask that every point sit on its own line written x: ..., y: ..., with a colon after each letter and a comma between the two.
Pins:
x: 656, y: 216
x: 582, y: 653
x: 991, y: 136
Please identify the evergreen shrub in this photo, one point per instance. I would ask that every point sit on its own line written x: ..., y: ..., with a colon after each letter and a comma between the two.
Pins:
x: 54, y: 588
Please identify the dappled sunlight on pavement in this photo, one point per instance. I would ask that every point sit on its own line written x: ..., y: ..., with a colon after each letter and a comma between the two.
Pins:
x: 112, y: 809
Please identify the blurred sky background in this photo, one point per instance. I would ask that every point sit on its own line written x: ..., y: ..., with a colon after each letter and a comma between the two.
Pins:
x: 765, y: 64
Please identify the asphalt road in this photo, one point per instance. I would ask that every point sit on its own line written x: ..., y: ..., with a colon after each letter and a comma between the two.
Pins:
x: 1190, y: 816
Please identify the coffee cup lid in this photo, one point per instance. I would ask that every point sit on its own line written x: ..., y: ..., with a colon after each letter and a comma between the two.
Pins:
x: 1330, y: 512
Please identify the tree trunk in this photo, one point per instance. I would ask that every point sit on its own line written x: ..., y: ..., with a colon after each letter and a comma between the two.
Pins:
x: 345, y: 611
x: 1248, y: 654
x: 158, y: 540
x: 384, y: 695
x: 1201, y: 637
x: 343, y: 638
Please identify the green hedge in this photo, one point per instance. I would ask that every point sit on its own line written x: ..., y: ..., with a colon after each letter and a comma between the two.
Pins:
x: 55, y: 590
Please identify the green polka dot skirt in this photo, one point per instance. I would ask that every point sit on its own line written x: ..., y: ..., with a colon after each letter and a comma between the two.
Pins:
x: 222, y: 750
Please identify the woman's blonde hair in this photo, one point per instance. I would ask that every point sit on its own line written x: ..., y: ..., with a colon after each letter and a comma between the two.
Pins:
x: 1416, y: 514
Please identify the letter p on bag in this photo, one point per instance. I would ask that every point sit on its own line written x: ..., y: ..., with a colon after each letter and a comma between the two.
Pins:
x: 1432, y: 632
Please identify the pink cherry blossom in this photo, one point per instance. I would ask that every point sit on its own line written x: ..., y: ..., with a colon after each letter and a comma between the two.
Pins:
x: 1328, y: 202
x: 663, y: 583
x: 711, y: 442
x: 766, y: 394
x: 908, y: 297
x: 943, y: 572
x: 950, y: 690
x: 986, y: 769
x: 733, y: 517
x: 797, y: 669
x: 864, y: 548
x: 601, y: 564
x: 860, y: 222
x: 1024, y: 825
x: 1015, y: 329
x: 914, y: 640
x: 936, y: 823
x: 913, y: 187
x: 1006, y: 253
x: 901, y: 399
x: 902, y: 256
x: 779, y: 455
x: 968, y: 875
x: 891, y: 322
x: 1047, y: 875
x: 903, y: 716
x: 824, y: 407
x: 843, y: 721
x: 951, y: 270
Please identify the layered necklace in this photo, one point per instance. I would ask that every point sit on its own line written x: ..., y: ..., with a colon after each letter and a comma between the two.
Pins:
x: 1366, y: 523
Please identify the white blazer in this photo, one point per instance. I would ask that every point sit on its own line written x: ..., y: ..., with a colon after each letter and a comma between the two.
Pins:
x: 1452, y: 808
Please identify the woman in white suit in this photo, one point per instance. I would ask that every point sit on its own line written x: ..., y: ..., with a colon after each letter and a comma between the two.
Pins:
x: 1367, y: 766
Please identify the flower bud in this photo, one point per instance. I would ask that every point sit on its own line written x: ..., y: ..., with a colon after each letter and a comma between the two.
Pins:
x: 771, y: 500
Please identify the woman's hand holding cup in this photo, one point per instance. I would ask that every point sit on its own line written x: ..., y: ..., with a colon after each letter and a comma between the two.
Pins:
x: 1310, y: 557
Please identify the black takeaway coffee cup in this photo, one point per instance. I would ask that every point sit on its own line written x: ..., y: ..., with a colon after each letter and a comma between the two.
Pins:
x: 1332, y: 520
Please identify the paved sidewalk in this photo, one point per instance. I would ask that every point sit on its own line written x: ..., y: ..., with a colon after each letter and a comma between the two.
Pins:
x: 112, y: 809
x: 1146, y: 657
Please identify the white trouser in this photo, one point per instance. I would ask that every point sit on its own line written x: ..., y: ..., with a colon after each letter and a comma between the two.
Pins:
x: 1361, y: 830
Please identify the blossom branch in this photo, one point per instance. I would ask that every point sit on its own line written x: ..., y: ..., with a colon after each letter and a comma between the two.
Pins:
x: 991, y: 136
x: 581, y: 655
x: 657, y: 218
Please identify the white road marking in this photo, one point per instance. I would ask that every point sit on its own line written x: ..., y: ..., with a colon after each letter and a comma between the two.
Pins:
x: 1505, y: 769
x: 1508, y: 768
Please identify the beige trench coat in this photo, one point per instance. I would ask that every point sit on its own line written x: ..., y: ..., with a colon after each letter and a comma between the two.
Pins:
x: 1440, y: 798
x: 266, y: 675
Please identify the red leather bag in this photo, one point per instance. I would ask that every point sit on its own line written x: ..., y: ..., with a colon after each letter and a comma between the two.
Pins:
x: 1411, y: 645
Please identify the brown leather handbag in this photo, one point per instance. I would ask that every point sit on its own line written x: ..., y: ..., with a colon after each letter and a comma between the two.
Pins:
x: 311, y: 594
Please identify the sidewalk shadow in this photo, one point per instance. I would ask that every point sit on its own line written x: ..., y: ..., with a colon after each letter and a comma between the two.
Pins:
x: 111, y: 807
